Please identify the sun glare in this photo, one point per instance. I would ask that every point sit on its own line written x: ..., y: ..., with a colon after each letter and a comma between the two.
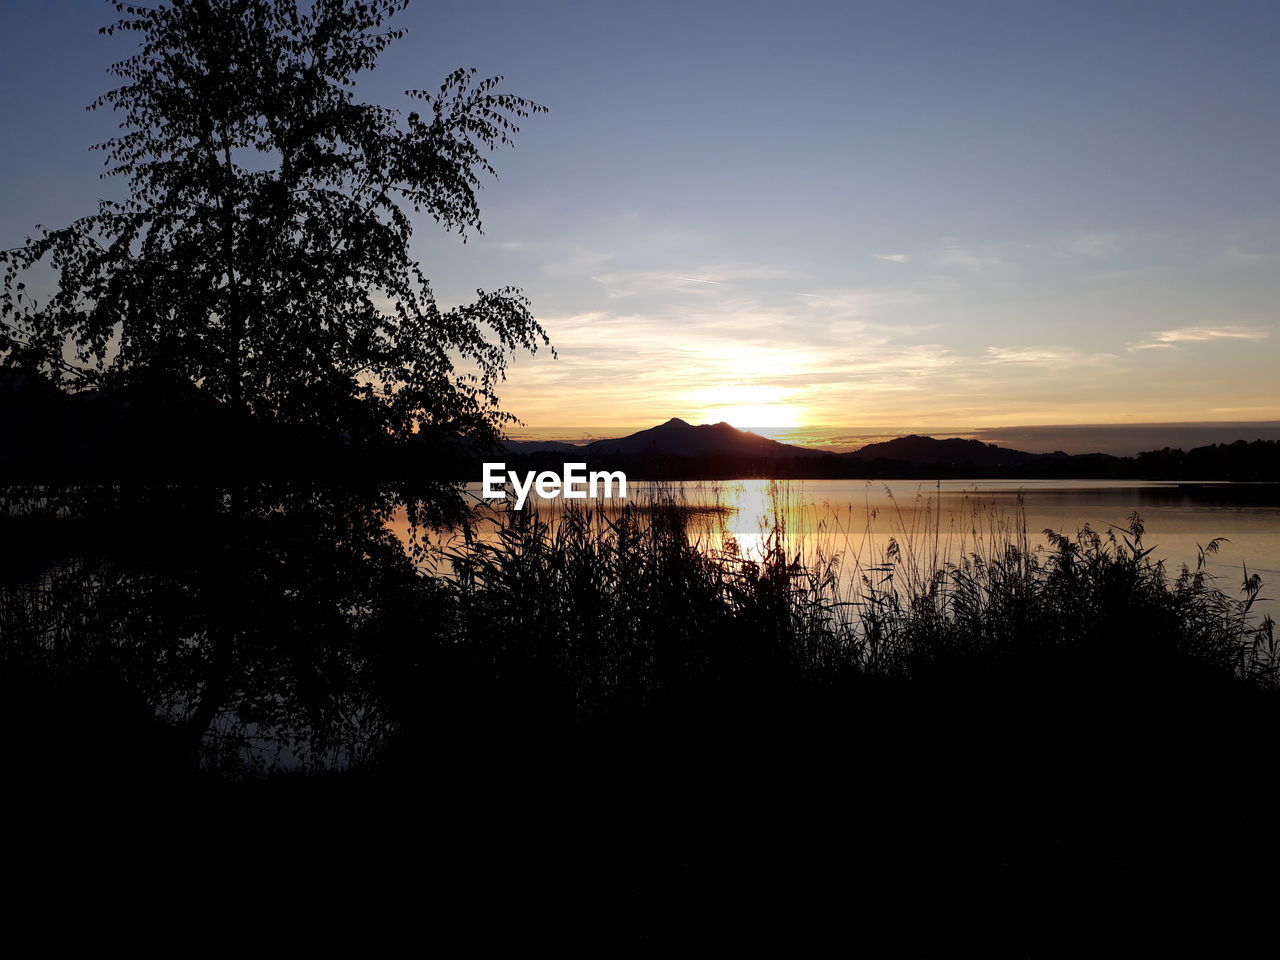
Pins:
x: 747, y: 406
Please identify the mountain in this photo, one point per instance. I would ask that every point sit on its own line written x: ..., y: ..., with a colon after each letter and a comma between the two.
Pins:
x: 678, y: 438
x: 927, y: 450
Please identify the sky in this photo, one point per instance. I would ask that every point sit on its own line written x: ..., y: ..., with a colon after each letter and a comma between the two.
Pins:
x: 905, y: 215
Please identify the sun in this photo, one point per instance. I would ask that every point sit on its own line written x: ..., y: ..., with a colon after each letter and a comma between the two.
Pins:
x: 747, y: 405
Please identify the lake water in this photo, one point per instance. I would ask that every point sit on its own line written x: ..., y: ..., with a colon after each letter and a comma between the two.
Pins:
x: 944, y: 521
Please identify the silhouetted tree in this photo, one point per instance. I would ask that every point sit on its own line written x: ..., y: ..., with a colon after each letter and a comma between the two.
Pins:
x: 259, y: 273
x: 263, y: 250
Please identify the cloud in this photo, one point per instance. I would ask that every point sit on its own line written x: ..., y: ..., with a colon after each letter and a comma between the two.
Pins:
x: 630, y: 283
x: 657, y: 336
x: 1169, y: 339
x: 954, y: 255
x: 1095, y: 244
x: 1045, y: 356
x: 1239, y: 255
x: 666, y: 352
x: 840, y: 302
x: 1228, y: 332
x: 575, y: 261
x: 895, y: 257
x: 558, y: 259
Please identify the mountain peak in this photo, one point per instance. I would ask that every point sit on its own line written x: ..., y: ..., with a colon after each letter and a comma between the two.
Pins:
x: 680, y: 438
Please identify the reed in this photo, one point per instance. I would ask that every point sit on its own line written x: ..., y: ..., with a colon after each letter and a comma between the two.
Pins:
x: 624, y: 604
x: 532, y: 628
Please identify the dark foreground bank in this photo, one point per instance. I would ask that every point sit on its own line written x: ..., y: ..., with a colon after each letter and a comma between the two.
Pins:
x: 604, y: 724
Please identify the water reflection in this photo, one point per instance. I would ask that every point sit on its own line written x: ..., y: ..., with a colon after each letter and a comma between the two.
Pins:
x: 936, y: 523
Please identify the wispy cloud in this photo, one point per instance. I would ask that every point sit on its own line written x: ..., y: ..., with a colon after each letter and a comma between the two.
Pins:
x: 686, y: 341
x: 1169, y: 339
x: 1045, y: 356
x: 679, y: 331
x: 629, y: 283
x: 859, y: 301
x: 1242, y: 256
x: 1095, y: 244
x: 562, y: 260
x: 955, y: 255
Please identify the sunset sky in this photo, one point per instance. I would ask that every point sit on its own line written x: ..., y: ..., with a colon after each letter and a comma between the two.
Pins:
x: 814, y: 214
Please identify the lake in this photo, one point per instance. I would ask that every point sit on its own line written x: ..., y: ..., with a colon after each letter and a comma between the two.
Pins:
x: 941, y: 521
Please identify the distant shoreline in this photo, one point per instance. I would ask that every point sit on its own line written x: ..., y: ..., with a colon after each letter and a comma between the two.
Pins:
x: 677, y: 450
x: 1116, y: 439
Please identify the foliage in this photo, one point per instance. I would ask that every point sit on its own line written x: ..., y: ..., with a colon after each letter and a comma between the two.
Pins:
x: 254, y: 295
x: 263, y: 251
x: 547, y: 629
x: 625, y: 610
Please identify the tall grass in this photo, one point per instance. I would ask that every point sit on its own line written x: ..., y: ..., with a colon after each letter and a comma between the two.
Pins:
x: 550, y: 622
x: 624, y: 605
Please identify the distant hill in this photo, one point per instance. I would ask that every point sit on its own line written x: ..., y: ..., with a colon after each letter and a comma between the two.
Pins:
x: 48, y: 435
x: 928, y: 450
x: 678, y: 438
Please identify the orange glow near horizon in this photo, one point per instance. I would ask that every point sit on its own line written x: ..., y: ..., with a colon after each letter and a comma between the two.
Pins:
x: 746, y: 406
